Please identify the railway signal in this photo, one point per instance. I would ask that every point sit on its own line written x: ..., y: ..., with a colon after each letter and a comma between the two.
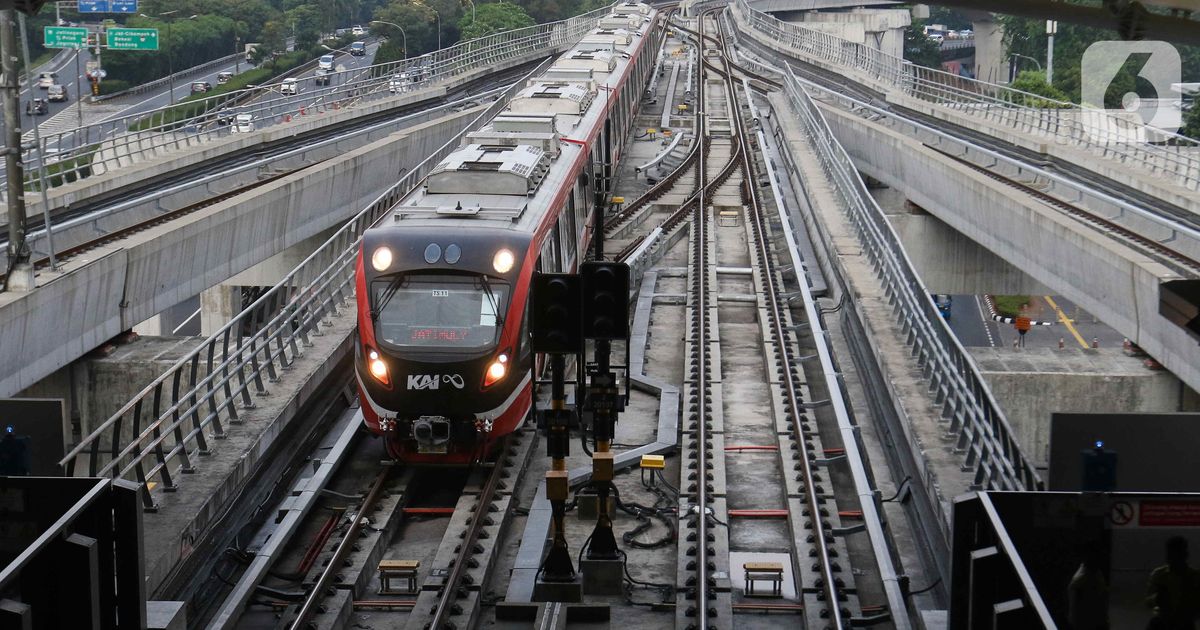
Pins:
x: 554, y: 314
x: 554, y: 328
x: 605, y: 290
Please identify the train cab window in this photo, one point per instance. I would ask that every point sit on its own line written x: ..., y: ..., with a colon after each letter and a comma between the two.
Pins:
x: 438, y: 312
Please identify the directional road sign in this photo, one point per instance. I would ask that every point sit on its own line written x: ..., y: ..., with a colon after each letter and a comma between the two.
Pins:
x: 132, y: 39
x: 108, y: 6
x: 65, y: 37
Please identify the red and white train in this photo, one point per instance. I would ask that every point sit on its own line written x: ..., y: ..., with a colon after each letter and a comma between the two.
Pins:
x: 443, y: 362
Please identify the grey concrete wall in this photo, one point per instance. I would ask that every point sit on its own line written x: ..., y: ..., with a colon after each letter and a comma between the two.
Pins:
x: 991, y: 62
x: 948, y: 261
x: 95, y: 387
x: 1137, y: 178
x: 1116, y: 283
x: 196, y: 150
x: 1035, y: 382
x: 99, y: 296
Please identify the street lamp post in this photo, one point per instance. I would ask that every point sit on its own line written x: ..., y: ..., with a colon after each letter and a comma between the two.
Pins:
x: 439, y: 26
x: 1051, y: 30
x: 472, y: 10
x: 403, y: 36
x: 170, y: 61
x: 1015, y: 72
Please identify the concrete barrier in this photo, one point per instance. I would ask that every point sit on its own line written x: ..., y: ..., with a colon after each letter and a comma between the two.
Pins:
x: 1114, y: 281
x: 120, y: 285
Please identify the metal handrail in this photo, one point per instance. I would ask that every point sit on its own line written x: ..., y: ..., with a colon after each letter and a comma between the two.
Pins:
x: 984, y: 434
x: 116, y: 142
x: 1112, y: 137
x: 186, y: 408
x: 146, y: 87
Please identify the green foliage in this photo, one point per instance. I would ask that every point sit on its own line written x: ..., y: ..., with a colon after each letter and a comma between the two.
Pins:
x: 183, y: 44
x: 919, y: 49
x: 112, y: 86
x: 418, y: 21
x: 1034, y: 82
x: 493, y: 18
x: 66, y: 171
x: 949, y: 17
x: 1191, y: 122
x: 1027, y: 36
x: 194, y: 104
x: 1010, y: 305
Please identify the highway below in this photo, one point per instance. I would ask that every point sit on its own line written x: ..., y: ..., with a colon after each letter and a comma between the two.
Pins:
x: 63, y: 117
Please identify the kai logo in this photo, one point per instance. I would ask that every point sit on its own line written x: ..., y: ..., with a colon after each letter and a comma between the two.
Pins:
x: 433, y: 381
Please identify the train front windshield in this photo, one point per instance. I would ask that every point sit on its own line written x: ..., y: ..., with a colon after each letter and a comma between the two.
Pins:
x: 438, y: 311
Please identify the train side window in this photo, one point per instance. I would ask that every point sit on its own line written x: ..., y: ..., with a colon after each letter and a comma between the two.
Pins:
x: 569, y: 235
x: 550, y: 253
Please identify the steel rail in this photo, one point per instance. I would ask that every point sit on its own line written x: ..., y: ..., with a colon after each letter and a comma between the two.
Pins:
x: 700, y: 318
x: 487, y: 494
x: 1113, y: 139
x: 291, y: 146
x: 790, y: 384
x: 348, y: 542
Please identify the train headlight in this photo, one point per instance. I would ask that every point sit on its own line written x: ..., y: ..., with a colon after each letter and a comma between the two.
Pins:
x: 381, y: 259
x: 496, y: 370
x: 503, y: 261
x: 377, y: 367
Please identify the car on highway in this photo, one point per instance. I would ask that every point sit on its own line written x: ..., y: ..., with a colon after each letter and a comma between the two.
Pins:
x: 200, y: 87
x: 358, y: 49
x: 325, y: 62
x: 358, y: 30
x: 966, y: 33
x: 937, y: 37
x: 224, y: 77
x: 322, y: 76
x: 56, y: 93
x: 46, y: 79
x: 243, y: 123
x: 399, y: 82
x: 37, y: 107
x: 944, y: 304
x: 289, y: 87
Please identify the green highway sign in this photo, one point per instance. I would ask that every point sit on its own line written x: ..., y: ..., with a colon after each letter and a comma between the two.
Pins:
x: 65, y: 37
x: 132, y: 39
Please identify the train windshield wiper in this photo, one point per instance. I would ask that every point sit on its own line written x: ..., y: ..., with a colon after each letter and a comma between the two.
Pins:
x: 388, y: 293
x: 487, y: 290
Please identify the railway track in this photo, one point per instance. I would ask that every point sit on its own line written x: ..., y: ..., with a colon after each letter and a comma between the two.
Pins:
x: 759, y: 460
x: 1162, y: 250
x: 258, y: 154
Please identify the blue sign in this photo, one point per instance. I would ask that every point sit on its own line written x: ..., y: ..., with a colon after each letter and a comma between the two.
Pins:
x: 108, y: 6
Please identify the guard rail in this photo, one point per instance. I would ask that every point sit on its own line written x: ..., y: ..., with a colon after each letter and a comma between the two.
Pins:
x: 162, y: 429
x: 983, y: 434
x: 1128, y: 141
x: 116, y: 142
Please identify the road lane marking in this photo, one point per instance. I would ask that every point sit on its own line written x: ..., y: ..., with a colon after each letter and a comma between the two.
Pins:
x: 987, y: 328
x: 1062, y: 317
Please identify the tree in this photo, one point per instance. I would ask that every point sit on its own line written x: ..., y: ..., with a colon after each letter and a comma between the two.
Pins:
x: 919, y: 49
x: 493, y: 18
x: 419, y: 23
x: 1191, y: 127
x: 1034, y: 82
x: 274, y: 39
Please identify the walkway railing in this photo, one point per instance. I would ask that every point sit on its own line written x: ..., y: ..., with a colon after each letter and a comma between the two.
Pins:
x: 182, y: 74
x: 165, y: 429
x: 984, y: 436
x: 117, y: 142
x: 1126, y: 140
